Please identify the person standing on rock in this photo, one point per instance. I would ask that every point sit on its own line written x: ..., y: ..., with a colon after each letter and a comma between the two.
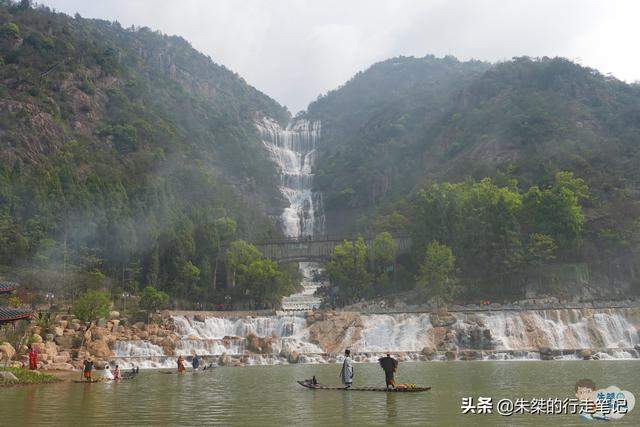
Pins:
x: 346, y: 373
x: 33, y: 358
x: 389, y: 366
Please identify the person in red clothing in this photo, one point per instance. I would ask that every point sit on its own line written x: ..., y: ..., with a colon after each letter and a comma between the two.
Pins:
x: 33, y: 359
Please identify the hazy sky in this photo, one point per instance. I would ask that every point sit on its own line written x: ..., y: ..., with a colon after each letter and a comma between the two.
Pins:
x: 296, y: 50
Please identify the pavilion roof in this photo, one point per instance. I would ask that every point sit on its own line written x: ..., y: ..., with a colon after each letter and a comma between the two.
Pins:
x: 12, y: 314
x: 6, y: 287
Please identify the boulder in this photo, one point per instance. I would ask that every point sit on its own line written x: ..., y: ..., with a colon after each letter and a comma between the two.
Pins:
x: 58, y: 331
x: 293, y: 357
x: 49, y: 337
x: 60, y: 359
x: 101, y: 322
x: 429, y: 352
x: 65, y: 341
x: 451, y: 355
x: 7, y: 376
x: 585, y: 354
x: 337, y: 331
x: 99, y: 349
x: 50, y: 349
x: 547, y: 353
x: 224, y: 360
x: 199, y: 317
x: 259, y: 345
x: 442, y: 319
x: 114, y: 315
x: 545, y: 350
x: 7, y: 352
x: 447, y: 346
x: 470, y: 355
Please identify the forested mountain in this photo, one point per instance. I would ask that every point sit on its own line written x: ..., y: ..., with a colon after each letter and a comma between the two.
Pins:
x: 376, y: 128
x: 126, y: 155
x: 405, y: 124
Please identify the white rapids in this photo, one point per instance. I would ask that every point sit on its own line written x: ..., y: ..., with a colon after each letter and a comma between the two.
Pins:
x: 514, y: 335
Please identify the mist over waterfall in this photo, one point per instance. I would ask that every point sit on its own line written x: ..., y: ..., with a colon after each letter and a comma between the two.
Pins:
x: 293, y: 149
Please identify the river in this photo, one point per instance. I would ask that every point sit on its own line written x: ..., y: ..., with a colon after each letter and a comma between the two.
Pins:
x: 268, y: 395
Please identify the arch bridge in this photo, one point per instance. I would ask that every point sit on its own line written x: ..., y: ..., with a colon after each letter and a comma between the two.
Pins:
x: 316, y: 249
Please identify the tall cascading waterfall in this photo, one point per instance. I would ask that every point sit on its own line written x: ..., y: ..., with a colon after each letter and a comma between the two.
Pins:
x: 294, y: 150
x: 497, y: 335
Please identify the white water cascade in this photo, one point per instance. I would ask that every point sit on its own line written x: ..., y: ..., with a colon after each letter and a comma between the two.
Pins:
x: 609, y: 333
x: 294, y: 150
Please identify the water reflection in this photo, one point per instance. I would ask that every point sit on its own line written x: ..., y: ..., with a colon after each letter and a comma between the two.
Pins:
x: 268, y: 396
x: 392, y: 410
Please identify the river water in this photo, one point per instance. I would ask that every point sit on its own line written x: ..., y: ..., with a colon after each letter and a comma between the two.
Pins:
x: 268, y: 395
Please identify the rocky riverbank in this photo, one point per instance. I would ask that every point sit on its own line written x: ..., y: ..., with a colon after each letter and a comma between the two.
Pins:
x: 67, y: 342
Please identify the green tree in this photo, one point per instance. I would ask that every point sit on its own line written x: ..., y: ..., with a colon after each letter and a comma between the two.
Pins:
x: 92, y: 306
x: 436, y: 274
x: 239, y: 256
x: 260, y: 282
x: 556, y: 211
x: 153, y: 299
x: 347, y: 271
x: 9, y: 30
x: 225, y: 231
x: 383, y: 256
x: 384, y: 250
x: 541, y: 249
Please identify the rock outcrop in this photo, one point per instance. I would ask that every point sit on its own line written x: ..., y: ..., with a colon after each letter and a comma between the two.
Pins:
x: 333, y: 331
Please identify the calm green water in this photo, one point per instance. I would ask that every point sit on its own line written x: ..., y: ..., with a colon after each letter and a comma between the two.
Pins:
x: 269, y: 396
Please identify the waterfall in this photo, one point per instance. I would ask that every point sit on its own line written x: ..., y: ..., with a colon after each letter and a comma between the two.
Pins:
x: 142, y: 354
x: 294, y: 150
x: 494, y: 335
x: 216, y: 336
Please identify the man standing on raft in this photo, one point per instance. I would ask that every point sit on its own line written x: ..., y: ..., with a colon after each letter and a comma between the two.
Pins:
x: 389, y: 365
x: 346, y: 373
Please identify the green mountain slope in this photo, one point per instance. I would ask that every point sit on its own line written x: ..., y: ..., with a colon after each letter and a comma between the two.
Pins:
x: 375, y: 129
x: 120, y: 150
x: 408, y: 122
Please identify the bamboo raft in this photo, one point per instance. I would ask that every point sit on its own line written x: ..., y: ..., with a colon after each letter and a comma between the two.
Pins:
x: 318, y: 386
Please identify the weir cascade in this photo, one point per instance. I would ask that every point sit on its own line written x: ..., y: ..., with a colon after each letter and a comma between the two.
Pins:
x: 320, y: 337
x: 293, y: 149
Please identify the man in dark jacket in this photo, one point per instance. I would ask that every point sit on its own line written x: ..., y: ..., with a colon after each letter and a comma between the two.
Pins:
x: 389, y: 365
